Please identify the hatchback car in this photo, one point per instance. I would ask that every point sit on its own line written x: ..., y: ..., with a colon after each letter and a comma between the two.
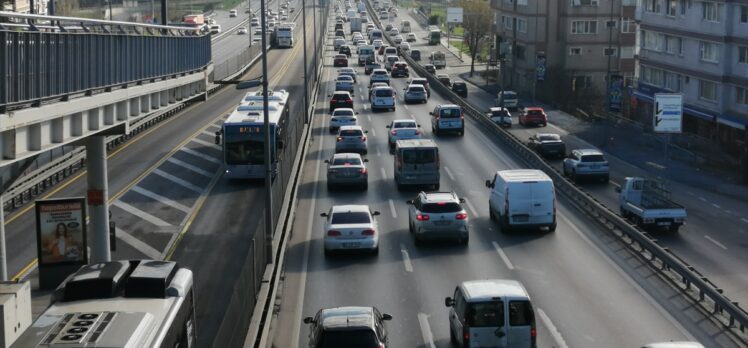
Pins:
x: 438, y: 215
x: 423, y: 82
x: 345, y: 49
x: 351, y: 227
x: 379, y: 75
x: 400, y: 69
x: 415, y: 94
x: 360, y: 327
x: 460, y: 88
x: 447, y: 118
x: 430, y: 68
x: 349, y: 72
x: 340, y: 60
x: 383, y: 98
x: 341, y: 99
x: 547, y: 144
x: 377, y: 44
x: 342, y: 117
x: 351, y: 139
x: 345, y: 83
x: 397, y: 39
x: 411, y: 37
x: 347, y: 169
x: 340, y: 33
x: 533, y: 116
x: 402, y: 129
x: 585, y: 163
x: 371, y: 65
x: 500, y: 116
x: 404, y: 48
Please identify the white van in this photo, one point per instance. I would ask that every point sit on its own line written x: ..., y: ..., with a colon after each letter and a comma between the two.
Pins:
x: 522, y: 198
x: 389, y: 60
x: 375, y: 34
x: 417, y: 163
x: 233, y: 13
x: 366, y: 52
x: 491, y: 313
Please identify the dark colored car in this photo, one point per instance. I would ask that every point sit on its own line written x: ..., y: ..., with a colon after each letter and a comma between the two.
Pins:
x: 339, y: 25
x: 415, y: 55
x: 360, y: 327
x: 533, y: 116
x: 400, y: 69
x: 423, y: 82
x: 381, y: 49
x: 460, y: 87
x: 341, y: 99
x: 371, y: 65
x: 340, y: 61
x: 340, y: 32
x: 345, y: 49
x: 430, y: 68
x: 547, y: 144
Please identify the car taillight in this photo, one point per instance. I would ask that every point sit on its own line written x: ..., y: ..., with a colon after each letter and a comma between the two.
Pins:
x: 363, y: 171
x: 466, y: 336
x: 363, y: 138
x: 418, y: 132
x: 349, y: 100
x: 368, y: 232
x: 333, y: 233
x: 461, y: 216
x: 533, y: 336
x: 422, y: 217
x: 340, y: 138
x: 394, y: 132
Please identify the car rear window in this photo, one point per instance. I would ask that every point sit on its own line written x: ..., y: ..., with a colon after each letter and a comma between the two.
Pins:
x: 339, y: 112
x: 510, y: 95
x: 343, y: 161
x: 340, y: 96
x: 485, y: 314
x: 534, y: 112
x: 549, y: 137
x: 351, y: 133
x: 419, y: 156
x: 520, y: 313
x: 416, y: 89
x: 383, y: 93
x: 501, y: 113
x: 449, y: 113
x: 441, y: 207
x: 404, y: 125
x: 593, y: 158
x: 349, y: 339
x: 346, y: 78
x: 355, y: 217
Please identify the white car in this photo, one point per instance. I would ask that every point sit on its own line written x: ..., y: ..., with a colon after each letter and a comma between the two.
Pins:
x: 379, y: 75
x: 377, y: 44
x: 233, y: 13
x: 584, y: 163
x: 397, y: 39
x: 242, y: 31
x: 411, y: 37
x: 254, y: 22
x: 345, y: 83
x: 383, y: 98
x: 402, y: 129
x: 351, y: 139
x: 404, y: 48
x: 351, y: 227
x: 394, y: 32
x: 342, y: 117
x: 415, y: 94
x: 215, y: 29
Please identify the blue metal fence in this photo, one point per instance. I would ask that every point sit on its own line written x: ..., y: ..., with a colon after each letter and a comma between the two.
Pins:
x: 39, y: 63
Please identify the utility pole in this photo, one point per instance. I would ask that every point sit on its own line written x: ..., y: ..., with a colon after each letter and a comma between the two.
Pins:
x: 306, y: 76
x: 268, y: 153
x: 514, y: 44
x: 608, y: 82
x: 249, y: 26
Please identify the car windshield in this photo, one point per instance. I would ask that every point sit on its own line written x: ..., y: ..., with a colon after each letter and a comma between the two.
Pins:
x: 350, y: 217
x: 593, y: 158
x: 549, y: 137
x: 416, y: 89
x: 386, y: 92
x: 404, y: 125
x: 441, y: 207
x: 450, y: 113
x: 510, y: 95
x: 419, y: 156
x: 349, y: 161
x: 351, y: 133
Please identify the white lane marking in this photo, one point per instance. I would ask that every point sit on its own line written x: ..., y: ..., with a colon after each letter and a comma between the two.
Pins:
x: 141, y: 214
x: 379, y: 153
x: 560, y: 342
x: 411, y: 116
x: 702, y: 199
x: 423, y: 322
x: 368, y: 116
x: 406, y: 259
x: 172, y: 203
x: 392, y: 208
x: 139, y: 245
x: 472, y: 208
x: 178, y: 181
x: 206, y: 132
x: 186, y: 165
x: 406, y: 106
x: 373, y: 132
x: 216, y: 127
x: 201, y: 155
x: 715, y: 205
x: 744, y: 220
x: 715, y: 242
x: 362, y: 98
x: 384, y: 174
x: 631, y: 282
x: 203, y: 142
x: 449, y: 173
x: 503, y: 256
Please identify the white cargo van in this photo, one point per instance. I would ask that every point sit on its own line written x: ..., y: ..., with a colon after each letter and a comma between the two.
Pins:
x: 522, y: 199
x: 417, y: 163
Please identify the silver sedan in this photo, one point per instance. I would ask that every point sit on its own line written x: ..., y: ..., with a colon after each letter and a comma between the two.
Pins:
x: 347, y: 169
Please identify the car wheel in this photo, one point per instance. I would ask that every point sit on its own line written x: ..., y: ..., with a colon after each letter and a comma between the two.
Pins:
x: 552, y: 227
x: 464, y: 241
x: 365, y: 186
x: 328, y: 253
x: 417, y: 240
x: 436, y: 187
x: 330, y: 187
x: 452, y: 337
x: 375, y: 251
x: 399, y: 186
x: 491, y: 215
x: 606, y: 179
x: 574, y: 175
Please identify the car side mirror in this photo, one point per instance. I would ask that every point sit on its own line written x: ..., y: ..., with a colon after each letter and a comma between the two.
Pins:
x: 388, y: 126
x: 376, y: 213
x: 488, y: 183
x: 618, y: 189
x: 329, y: 95
x: 431, y: 113
x: 366, y: 132
x: 530, y: 138
x: 462, y: 200
x: 418, y: 125
x: 449, y: 302
x: 327, y: 161
x: 410, y: 201
x: 386, y: 316
x: 366, y: 160
x: 308, y: 320
x: 323, y: 214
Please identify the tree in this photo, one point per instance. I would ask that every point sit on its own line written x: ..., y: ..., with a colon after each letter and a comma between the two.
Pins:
x: 477, y: 19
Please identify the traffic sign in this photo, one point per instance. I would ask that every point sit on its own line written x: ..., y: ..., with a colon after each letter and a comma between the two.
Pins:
x: 454, y: 15
x: 668, y: 113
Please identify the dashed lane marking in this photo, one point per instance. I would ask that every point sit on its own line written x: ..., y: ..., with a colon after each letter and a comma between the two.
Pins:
x: 201, y: 155
x: 178, y: 181
x: 406, y: 259
x: 449, y: 173
x: 186, y: 165
x: 392, y: 208
x: 203, y: 142
x: 172, y: 203
x: 141, y: 214
x: 715, y: 242
x: 503, y: 256
x: 472, y: 209
x: 428, y: 337
x: 139, y: 245
x: 384, y: 174
x: 560, y: 342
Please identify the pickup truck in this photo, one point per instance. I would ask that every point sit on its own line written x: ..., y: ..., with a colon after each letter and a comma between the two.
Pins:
x: 646, y: 202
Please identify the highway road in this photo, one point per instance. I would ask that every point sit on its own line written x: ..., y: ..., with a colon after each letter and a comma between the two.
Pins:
x: 713, y: 240
x: 587, y: 289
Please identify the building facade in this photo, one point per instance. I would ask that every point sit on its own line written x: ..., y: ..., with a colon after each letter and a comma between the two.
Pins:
x: 698, y: 49
x: 579, y: 41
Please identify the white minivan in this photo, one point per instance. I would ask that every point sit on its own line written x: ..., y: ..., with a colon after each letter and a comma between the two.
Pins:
x: 522, y: 199
x: 491, y: 313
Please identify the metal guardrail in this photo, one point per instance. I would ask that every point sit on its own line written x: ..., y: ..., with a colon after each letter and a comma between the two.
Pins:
x: 52, y: 59
x: 637, y: 239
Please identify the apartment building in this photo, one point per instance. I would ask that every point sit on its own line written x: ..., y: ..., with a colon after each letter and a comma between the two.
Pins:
x: 699, y: 49
x: 581, y: 40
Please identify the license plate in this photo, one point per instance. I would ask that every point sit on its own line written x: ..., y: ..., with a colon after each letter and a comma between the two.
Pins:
x: 442, y: 223
x: 351, y: 245
x: 521, y: 218
x: 663, y: 223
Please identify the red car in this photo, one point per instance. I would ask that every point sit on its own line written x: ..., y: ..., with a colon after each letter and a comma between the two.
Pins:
x: 341, y: 99
x: 340, y: 60
x: 381, y: 49
x: 533, y: 116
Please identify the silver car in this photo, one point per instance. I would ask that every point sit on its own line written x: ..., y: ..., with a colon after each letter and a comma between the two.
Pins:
x: 342, y: 117
x: 585, y: 163
x: 415, y: 93
x: 402, y: 129
x: 345, y: 83
x: 438, y: 215
x: 347, y: 169
x: 351, y: 227
x: 348, y: 71
x: 351, y: 139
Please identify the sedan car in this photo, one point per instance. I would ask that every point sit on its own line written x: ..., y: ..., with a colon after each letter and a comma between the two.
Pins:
x: 400, y: 69
x: 444, y: 78
x: 351, y: 139
x: 430, y: 68
x: 348, y: 72
x: 397, y: 39
x: 342, y: 117
x: 347, y: 169
x: 402, y: 129
x: 360, y: 327
x: 341, y: 99
x: 337, y: 43
x: 340, y: 60
x: 351, y: 227
x: 379, y: 75
x: 533, y: 116
x: 411, y: 37
x: 547, y: 144
x: 500, y: 116
x: 415, y: 55
x: 415, y: 94
x: 377, y: 44
x: 345, y: 83
x: 438, y: 215
x: 242, y: 31
x: 371, y: 65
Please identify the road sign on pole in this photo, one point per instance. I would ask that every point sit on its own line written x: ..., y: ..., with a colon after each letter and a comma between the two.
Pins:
x: 668, y: 113
x: 454, y: 15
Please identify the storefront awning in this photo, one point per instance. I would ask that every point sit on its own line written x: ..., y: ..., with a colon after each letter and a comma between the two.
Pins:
x: 733, y: 121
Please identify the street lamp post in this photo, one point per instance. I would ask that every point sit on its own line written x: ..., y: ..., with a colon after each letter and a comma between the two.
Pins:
x: 306, y: 77
x: 249, y: 26
x: 266, y: 123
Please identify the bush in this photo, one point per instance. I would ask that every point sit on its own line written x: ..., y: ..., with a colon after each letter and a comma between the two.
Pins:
x: 434, y: 20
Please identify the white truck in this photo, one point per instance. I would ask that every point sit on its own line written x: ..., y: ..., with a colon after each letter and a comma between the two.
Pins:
x: 646, y: 202
x: 284, y: 35
x: 405, y: 26
x: 355, y: 24
x: 438, y: 59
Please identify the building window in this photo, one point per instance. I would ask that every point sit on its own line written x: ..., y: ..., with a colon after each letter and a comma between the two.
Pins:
x: 507, y: 22
x: 610, y: 51
x: 709, y: 51
x: 575, y: 51
x: 683, y: 7
x: 710, y: 11
x: 581, y: 82
x: 584, y: 27
x: 707, y: 90
x: 741, y: 95
x: 655, y: 77
x: 672, y: 6
x: 743, y: 14
x: 520, y: 54
x: 653, y: 41
x: 652, y: 6
x: 584, y: 2
x: 743, y: 54
x: 627, y: 52
x: 680, y: 46
x: 521, y: 25
x: 672, y: 45
x: 628, y: 25
x: 673, y: 81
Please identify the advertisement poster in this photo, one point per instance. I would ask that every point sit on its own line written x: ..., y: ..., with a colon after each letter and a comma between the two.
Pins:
x: 616, y: 93
x: 61, y: 231
x: 540, y: 67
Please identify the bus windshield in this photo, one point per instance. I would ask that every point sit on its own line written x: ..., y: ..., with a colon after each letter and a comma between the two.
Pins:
x: 244, y: 144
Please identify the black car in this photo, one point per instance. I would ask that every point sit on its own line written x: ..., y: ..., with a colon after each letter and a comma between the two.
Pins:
x: 360, y: 327
x: 339, y: 25
x: 460, y: 87
x: 430, y: 68
x: 415, y: 55
x: 547, y: 144
x: 345, y: 49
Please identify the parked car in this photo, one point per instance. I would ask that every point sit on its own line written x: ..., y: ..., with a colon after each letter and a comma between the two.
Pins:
x: 500, y: 116
x: 351, y: 139
x: 340, y: 99
x: 586, y: 163
x: 351, y: 227
x: 347, y: 169
x: 333, y: 327
x: 342, y: 117
x: 430, y: 68
x: 340, y: 60
x: 533, y: 116
x: 460, y: 88
x: 402, y: 129
x: 438, y: 215
x: 415, y: 94
x: 547, y: 144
